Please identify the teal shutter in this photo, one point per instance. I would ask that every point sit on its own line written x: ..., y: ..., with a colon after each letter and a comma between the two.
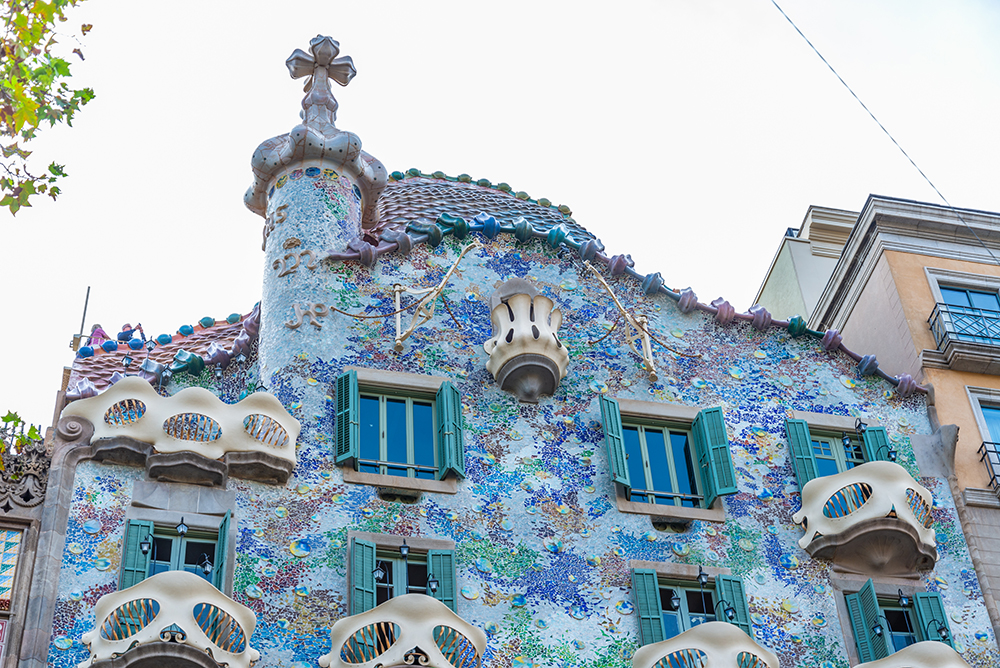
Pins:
x: 711, y: 444
x: 451, y: 440
x: 362, y: 578
x: 730, y: 590
x: 442, y: 564
x: 135, y: 564
x: 646, y: 592
x: 348, y: 418
x: 865, y: 614
x: 876, y: 444
x: 930, y: 607
x: 221, y: 552
x: 611, y: 416
x: 800, y: 444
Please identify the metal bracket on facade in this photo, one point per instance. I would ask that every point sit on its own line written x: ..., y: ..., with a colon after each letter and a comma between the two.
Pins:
x: 425, y: 308
x: 640, y: 335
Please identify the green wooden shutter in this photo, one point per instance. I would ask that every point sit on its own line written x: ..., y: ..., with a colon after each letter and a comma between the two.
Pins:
x: 865, y: 614
x: 929, y: 607
x: 450, y: 440
x: 730, y: 590
x: 135, y: 564
x: 362, y: 578
x: 711, y: 444
x: 611, y: 416
x: 646, y: 592
x: 876, y: 444
x: 442, y: 564
x: 800, y: 444
x: 221, y: 552
x: 348, y: 418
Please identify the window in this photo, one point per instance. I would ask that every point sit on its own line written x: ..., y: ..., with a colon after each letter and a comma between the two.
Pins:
x: 152, y: 548
x: 10, y: 551
x: 827, y: 454
x: 967, y: 310
x: 668, y: 608
x: 399, y: 433
x: 379, y: 572
x: 882, y: 626
x: 667, y: 464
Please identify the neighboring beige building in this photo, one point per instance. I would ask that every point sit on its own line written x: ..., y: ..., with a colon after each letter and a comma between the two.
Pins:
x: 804, y: 262
x: 918, y: 285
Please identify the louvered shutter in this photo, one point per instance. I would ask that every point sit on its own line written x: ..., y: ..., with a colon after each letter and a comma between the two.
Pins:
x: 135, y: 564
x: 441, y: 563
x: 611, y: 417
x: 362, y: 577
x: 221, y: 552
x: 730, y: 590
x: 450, y: 441
x: 348, y: 418
x: 930, y: 607
x: 800, y: 444
x: 711, y: 444
x: 646, y: 593
x: 876, y: 444
x: 865, y: 614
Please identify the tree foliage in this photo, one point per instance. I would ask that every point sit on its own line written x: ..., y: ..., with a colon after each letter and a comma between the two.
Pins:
x: 33, y: 91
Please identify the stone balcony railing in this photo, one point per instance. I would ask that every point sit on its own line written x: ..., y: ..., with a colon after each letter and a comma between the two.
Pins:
x: 170, y: 619
x: 526, y: 356
x: 927, y: 654
x: 409, y: 630
x: 191, y: 436
x: 871, y: 519
x: 708, y: 645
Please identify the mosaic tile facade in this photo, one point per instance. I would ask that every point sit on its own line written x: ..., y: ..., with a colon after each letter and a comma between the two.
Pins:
x: 542, y: 551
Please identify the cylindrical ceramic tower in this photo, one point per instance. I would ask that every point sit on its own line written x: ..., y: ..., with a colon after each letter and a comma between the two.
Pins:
x: 316, y: 190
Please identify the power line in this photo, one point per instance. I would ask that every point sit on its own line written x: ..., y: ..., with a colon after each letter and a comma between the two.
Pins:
x: 887, y: 133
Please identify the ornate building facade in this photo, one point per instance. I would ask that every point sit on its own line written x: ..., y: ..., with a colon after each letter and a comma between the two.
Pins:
x: 455, y: 432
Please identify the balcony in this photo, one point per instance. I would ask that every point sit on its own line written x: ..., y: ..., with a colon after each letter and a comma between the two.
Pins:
x: 709, y: 645
x: 989, y: 455
x: 871, y: 519
x: 927, y: 654
x: 405, y: 631
x: 170, y: 620
x: 192, y: 436
x: 968, y: 339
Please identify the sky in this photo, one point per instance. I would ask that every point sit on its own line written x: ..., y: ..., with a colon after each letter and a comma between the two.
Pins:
x: 687, y: 133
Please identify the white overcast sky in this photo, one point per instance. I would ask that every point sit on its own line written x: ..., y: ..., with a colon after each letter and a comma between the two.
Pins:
x: 689, y: 134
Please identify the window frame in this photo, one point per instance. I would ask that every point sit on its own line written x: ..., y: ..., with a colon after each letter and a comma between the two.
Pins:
x: 178, y: 546
x: 838, y: 452
x: 20, y: 587
x: 650, y: 492
x: 823, y: 424
x: 389, y: 544
x: 383, y: 463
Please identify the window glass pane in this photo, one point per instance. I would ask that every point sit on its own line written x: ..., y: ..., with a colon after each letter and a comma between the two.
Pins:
x: 395, y: 431
x: 423, y: 437
x: 418, y: 577
x: 195, y: 553
x: 369, y: 433
x: 681, y: 449
x: 955, y: 297
x: 633, y: 453
x: 701, y: 607
x: 383, y: 586
x: 992, y: 416
x: 659, y: 466
x: 162, y: 554
x: 671, y: 617
x: 853, y: 453
x: 11, y: 548
x: 901, y: 630
x: 985, y: 300
x: 826, y: 466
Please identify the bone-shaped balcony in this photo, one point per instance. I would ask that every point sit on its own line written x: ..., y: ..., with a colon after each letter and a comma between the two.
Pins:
x: 192, y: 436
x: 173, y: 619
x: 708, y: 645
x: 408, y: 630
x: 871, y: 519
x: 926, y: 654
x: 526, y: 356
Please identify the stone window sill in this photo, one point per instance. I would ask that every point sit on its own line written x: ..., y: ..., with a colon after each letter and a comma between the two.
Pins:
x: 399, y: 484
x: 670, y: 514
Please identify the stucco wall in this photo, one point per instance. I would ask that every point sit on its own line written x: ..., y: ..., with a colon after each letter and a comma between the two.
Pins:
x: 781, y: 293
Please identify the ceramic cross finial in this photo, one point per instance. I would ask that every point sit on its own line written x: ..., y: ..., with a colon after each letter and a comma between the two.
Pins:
x: 322, y: 64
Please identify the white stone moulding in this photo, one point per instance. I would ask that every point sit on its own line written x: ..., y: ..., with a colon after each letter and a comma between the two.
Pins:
x: 126, y: 619
x: 926, y: 654
x: 526, y: 355
x: 873, y: 518
x: 192, y: 421
x: 708, y: 645
x: 414, y: 629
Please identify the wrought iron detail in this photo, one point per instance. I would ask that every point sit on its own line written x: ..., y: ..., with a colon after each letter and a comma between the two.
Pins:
x: 220, y: 627
x: 126, y: 411
x: 129, y: 618
x: 962, y: 323
x: 192, y: 427
x: 847, y: 499
x: 265, y: 430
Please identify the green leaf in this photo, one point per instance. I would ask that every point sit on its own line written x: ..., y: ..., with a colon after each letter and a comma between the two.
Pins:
x: 11, y: 416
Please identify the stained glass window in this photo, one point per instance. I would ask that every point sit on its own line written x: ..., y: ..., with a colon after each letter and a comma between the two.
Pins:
x: 10, y: 541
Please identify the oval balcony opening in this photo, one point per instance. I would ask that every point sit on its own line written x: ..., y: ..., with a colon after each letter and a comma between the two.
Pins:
x: 127, y: 411
x: 192, y: 427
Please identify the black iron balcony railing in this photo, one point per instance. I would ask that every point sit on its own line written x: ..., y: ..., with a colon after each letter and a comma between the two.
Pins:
x: 989, y: 455
x: 962, y: 323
